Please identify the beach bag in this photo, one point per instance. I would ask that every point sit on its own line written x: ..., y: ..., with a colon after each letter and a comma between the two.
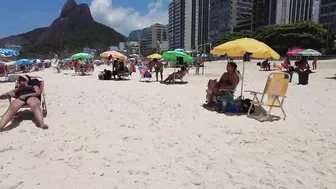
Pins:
x: 223, y: 101
x: 245, y: 105
x: 147, y: 74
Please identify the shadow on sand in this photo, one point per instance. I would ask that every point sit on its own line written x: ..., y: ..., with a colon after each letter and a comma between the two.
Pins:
x: 259, y: 114
x: 175, y: 83
x: 331, y: 77
x: 19, y: 117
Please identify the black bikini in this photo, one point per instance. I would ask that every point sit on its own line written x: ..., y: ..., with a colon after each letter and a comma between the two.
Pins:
x: 27, y: 90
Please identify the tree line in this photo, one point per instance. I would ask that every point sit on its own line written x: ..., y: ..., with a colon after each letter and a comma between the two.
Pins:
x: 304, y: 35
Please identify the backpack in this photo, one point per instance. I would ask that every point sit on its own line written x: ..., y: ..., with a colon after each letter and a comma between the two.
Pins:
x: 147, y: 74
x: 245, y: 105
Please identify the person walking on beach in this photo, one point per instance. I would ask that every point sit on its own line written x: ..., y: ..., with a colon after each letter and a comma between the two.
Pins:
x: 198, y: 63
x: 315, y: 63
x: 158, y: 66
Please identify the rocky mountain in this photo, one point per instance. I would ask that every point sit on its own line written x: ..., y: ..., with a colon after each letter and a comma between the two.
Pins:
x: 134, y: 35
x: 73, y: 18
x: 73, y: 30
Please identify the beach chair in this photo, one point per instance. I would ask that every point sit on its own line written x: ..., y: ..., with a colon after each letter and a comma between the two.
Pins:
x: 142, y: 71
x: 179, y: 77
x: 273, y: 95
x: 43, y: 101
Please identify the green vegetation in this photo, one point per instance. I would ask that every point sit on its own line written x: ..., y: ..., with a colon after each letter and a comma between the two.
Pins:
x: 281, y: 37
x: 98, y: 37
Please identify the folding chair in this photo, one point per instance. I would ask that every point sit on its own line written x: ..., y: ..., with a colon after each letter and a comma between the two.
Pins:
x: 142, y: 71
x: 275, y: 91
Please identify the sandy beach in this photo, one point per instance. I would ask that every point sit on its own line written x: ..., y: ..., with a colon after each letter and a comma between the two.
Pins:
x: 134, y: 135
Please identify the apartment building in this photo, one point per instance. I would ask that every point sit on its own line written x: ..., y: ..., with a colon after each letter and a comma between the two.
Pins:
x: 270, y: 12
x: 176, y: 26
x: 229, y: 15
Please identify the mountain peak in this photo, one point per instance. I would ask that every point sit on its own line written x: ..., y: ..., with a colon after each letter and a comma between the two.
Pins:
x: 73, y: 18
x: 68, y: 6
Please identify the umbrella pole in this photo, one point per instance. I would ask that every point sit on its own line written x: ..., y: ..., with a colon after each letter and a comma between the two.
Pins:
x: 174, y: 74
x: 242, y: 82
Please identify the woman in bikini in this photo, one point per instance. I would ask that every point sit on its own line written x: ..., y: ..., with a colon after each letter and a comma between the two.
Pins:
x: 179, y: 74
x: 28, y: 93
x: 228, y: 81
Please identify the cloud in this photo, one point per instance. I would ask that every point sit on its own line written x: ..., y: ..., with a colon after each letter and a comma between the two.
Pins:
x: 125, y: 19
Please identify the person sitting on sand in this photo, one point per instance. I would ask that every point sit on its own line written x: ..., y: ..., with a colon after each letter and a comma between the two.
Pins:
x: 179, y: 74
x: 158, y: 67
x: 28, y: 93
x: 266, y: 65
x: 228, y: 81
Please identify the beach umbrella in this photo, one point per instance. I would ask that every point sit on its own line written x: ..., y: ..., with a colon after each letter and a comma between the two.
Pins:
x: 114, y: 54
x: 82, y: 55
x: 157, y: 56
x: 8, y: 52
x: 179, y: 50
x: 245, y: 45
x: 171, y: 56
x: 309, y: 52
x: 294, y: 52
x: 24, y: 62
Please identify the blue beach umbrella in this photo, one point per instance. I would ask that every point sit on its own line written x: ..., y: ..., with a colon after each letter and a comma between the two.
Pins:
x: 8, y: 52
x: 24, y: 62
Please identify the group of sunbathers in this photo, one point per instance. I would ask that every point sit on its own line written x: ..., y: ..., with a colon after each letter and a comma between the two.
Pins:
x: 158, y: 68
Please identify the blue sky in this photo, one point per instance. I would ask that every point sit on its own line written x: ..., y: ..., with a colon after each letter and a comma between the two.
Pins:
x: 19, y: 16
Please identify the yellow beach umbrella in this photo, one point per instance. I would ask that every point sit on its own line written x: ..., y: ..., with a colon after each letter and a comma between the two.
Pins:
x: 114, y: 54
x: 157, y: 56
x: 245, y: 45
x: 241, y: 46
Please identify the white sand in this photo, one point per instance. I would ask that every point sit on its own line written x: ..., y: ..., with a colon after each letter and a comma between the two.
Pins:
x: 132, y: 135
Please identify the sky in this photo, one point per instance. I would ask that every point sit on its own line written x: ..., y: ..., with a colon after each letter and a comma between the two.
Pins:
x: 20, y: 16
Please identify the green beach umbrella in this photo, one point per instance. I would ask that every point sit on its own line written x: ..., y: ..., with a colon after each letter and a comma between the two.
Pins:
x: 82, y: 55
x: 171, y: 56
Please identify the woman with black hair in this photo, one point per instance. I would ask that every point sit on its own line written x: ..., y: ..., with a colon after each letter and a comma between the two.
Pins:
x: 228, y: 82
x: 28, y: 93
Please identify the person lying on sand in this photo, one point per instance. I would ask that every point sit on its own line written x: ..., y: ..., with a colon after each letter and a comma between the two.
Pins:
x: 228, y: 81
x: 28, y: 93
x: 176, y: 75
